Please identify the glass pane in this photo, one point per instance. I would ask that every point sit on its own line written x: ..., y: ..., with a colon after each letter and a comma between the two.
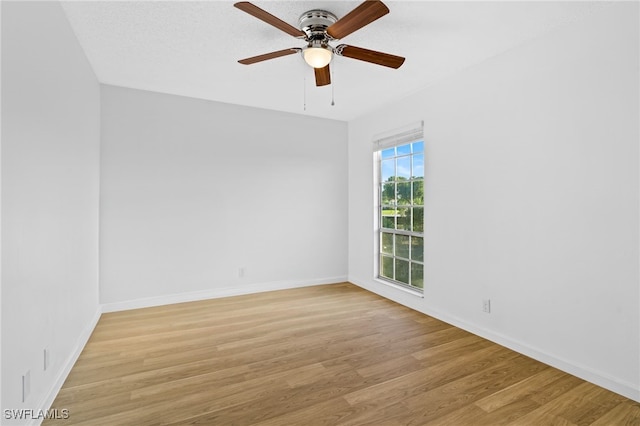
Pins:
x: 388, y: 153
x: 418, y: 166
x: 387, y: 170
x: 417, y: 249
x: 402, y: 271
x: 418, y: 219
x: 404, y: 218
x: 418, y: 193
x: 404, y: 149
x: 389, y: 194
x: 388, y: 221
x: 387, y: 243
x: 404, y: 167
x: 402, y: 246
x: 417, y: 275
x: 386, y: 267
x: 404, y: 193
x: 418, y: 146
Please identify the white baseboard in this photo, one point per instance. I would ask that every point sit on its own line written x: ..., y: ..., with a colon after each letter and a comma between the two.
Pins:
x: 50, y: 396
x: 604, y: 380
x: 216, y: 293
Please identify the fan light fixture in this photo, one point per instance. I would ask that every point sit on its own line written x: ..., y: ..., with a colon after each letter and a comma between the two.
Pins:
x: 317, y: 57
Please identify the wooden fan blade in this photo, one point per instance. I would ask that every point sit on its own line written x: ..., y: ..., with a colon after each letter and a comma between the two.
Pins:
x: 323, y: 76
x: 265, y: 16
x: 379, y: 58
x: 272, y: 55
x: 362, y: 15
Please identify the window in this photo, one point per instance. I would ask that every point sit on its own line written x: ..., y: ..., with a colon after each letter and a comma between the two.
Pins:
x: 400, y: 185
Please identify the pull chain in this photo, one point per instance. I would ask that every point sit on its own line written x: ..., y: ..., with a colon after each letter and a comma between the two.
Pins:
x: 333, y: 84
x: 304, y: 92
x: 332, y: 97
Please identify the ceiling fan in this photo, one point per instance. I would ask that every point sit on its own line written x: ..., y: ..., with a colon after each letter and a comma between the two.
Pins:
x: 318, y: 28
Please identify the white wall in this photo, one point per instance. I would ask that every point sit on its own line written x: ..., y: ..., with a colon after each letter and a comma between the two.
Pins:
x: 193, y: 190
x: 531, y: 198
x: 50, y: 161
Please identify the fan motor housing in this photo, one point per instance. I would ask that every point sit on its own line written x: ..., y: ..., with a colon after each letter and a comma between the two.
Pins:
x: 315, y: 22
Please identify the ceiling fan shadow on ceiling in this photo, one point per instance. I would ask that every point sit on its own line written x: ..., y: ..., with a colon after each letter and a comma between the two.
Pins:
x: 318, y: 28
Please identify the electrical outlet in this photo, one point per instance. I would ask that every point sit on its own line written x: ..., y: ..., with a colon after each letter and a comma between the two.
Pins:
x: 46, y: 359
x: 486, y: 306
x: 241, y: 272
x: 26, y: 385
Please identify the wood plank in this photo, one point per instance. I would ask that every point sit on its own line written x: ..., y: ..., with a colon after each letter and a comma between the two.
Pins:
x: 627, y: 413
x: 583, y: 404
x: 417, y: 383
x: 522, y: 389
x: 451, y: 396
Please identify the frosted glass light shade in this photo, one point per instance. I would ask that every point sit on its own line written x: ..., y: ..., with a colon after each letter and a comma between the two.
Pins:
x: 317, y: 57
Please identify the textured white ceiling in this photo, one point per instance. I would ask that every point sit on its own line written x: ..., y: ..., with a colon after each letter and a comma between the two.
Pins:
x: 191, y: 48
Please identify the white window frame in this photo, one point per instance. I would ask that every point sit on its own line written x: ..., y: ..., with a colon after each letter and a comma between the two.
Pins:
x: 411, y: 133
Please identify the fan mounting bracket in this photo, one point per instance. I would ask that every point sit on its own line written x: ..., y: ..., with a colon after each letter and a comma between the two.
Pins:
x: 314, y: 23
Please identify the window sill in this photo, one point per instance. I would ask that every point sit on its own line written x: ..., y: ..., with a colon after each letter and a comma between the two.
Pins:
x: 417, y: 293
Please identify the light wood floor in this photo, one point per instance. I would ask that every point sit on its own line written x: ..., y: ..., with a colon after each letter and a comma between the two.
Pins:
x: 318, y: 355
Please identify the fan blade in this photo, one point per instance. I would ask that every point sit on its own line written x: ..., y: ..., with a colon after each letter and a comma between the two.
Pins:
x: 362, y: 15
x: 265, y: 16
x: 323, y: 76
x: 272, y: 55
x: 379, y: 58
